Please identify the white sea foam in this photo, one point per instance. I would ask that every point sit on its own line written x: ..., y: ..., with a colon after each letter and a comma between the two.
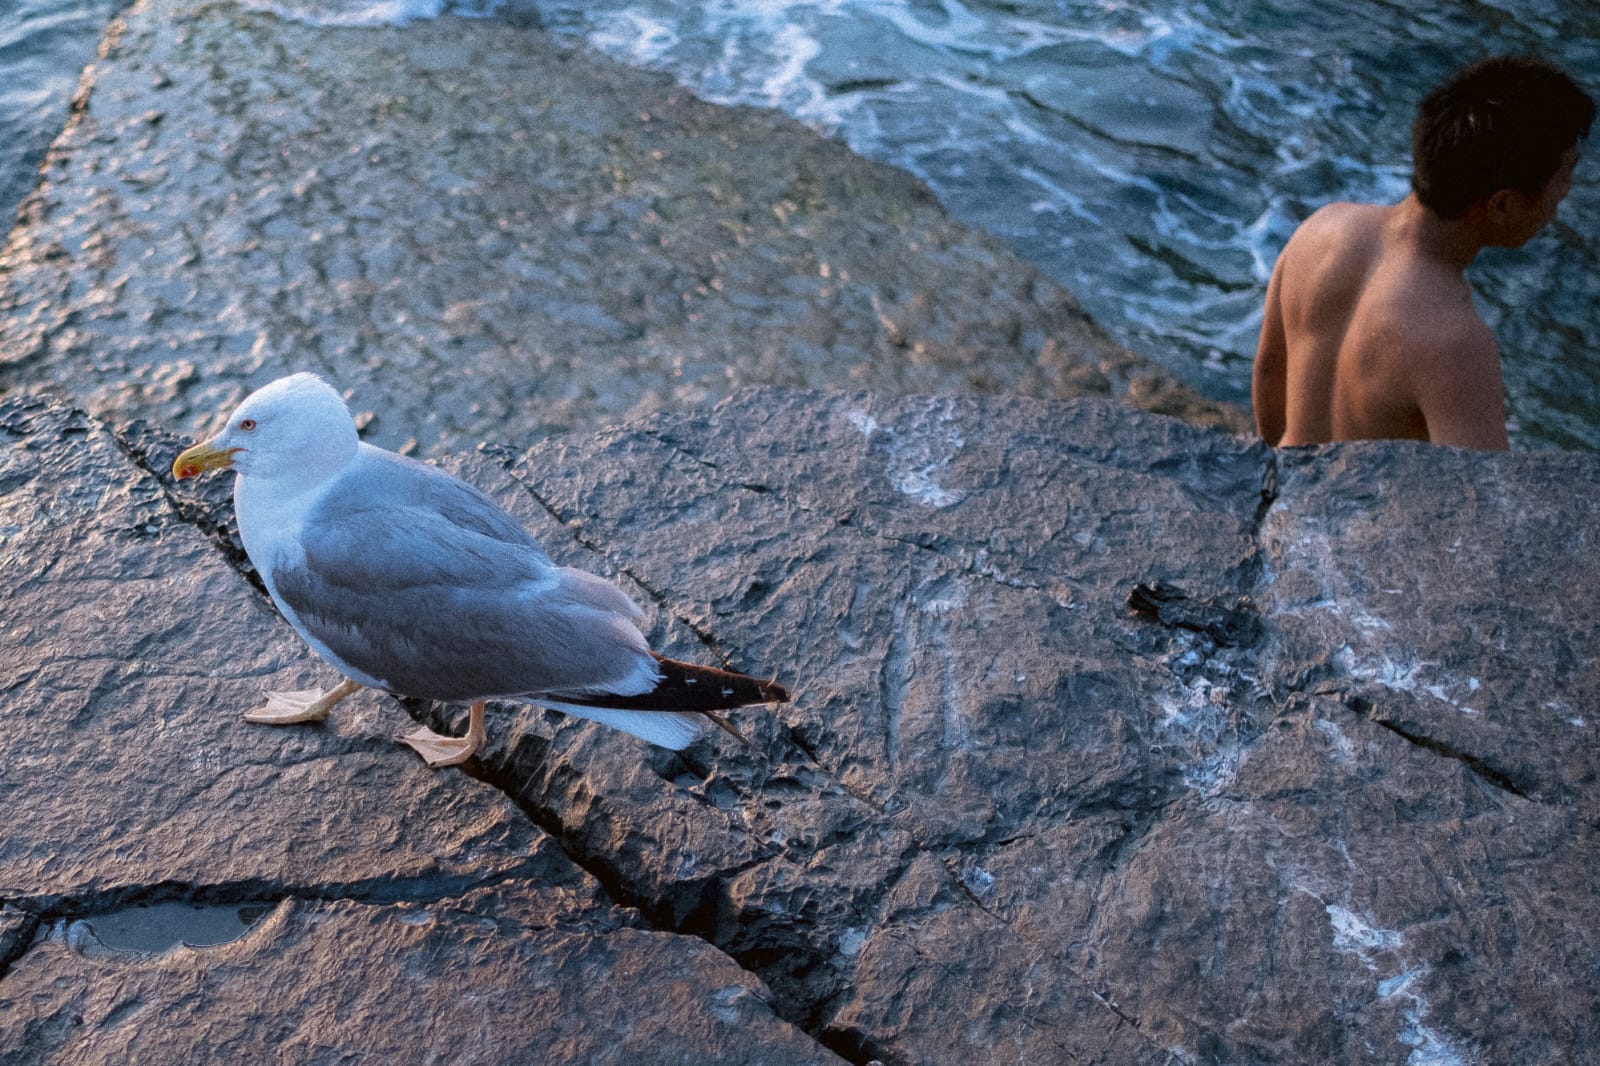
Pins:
x: 1154, y: 161
x: 636, y: 37
x: 355, y: 13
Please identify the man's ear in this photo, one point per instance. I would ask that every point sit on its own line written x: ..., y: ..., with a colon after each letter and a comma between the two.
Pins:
x: 1500, y: 204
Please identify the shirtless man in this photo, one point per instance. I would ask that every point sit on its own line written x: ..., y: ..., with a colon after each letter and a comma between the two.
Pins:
x: 1369, y: 329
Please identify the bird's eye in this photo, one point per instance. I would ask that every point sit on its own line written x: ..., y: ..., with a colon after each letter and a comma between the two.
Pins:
x: 248, y: 424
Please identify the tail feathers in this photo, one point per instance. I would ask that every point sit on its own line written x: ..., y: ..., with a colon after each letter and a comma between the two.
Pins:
x: 674, y: 713
x: 688, y: 687
x: 666, y: 729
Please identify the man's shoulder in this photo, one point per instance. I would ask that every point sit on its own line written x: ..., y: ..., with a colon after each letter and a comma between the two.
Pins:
x: 1344, y: 217
x: 1345, y: 211
x: 1334, y: 231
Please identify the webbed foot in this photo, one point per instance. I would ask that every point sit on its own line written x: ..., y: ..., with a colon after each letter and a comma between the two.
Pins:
x: 440, y: 751
x: 301, y: 705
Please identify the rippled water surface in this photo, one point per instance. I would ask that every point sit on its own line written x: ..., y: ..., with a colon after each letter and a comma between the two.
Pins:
x: 1155, y: 156
x: 44, y: 45
x: 1152, y: 156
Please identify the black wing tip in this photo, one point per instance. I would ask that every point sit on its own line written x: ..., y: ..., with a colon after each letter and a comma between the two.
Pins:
x: 744, y: 689
x: 690, y: 688
x: 753, y: 690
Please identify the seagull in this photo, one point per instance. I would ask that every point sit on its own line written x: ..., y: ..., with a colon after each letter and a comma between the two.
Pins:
x: 406, y: 579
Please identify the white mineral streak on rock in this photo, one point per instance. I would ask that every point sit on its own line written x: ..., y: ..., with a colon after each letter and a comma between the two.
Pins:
x: 915, y: 460
x: 1356, y: 935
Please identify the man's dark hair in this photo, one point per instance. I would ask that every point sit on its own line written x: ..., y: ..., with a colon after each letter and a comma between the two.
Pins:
x: 1500, y: 123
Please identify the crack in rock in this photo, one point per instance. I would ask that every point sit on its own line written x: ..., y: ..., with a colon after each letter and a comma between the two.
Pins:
x: 1481, y: 767
x: 31, y: 916
x: 373, y: 890
x: 135, y: 442
x: 18, y: 930
x: 656, y: 912
x: 1228, y: 627
x: 207, y: 508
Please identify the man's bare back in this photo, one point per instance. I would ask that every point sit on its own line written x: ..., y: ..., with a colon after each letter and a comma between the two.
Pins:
x: 1370, y: 333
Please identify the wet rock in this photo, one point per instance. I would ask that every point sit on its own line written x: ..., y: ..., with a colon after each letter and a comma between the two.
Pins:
x: 177, y: 885
x: 1013, y: 816
x: 1115, y: 740
x: 456, y: 981
x: 1438, y: 595
x: 488, y: 233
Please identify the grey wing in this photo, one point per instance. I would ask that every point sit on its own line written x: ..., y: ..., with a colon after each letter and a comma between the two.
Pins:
x: 386, y: 476
x: 431, y: 606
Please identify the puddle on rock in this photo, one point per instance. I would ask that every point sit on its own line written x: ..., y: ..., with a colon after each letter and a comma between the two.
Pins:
x: 152, y: 928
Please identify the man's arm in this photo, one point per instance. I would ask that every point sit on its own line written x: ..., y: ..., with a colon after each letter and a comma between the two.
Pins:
x: 1269, y: 379
x: 1461, y: 393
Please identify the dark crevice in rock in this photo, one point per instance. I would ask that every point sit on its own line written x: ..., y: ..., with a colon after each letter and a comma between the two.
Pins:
x: 1269, y: 493
x: 792, y: 965
x: 1254, y: 568
x: 1228, y: 626
x: 1489, y: 774
x: 697, y: 908
x: 1480, y: 767
x: 18, y: 939
x: 854, y: 1046
x: 376, y: 890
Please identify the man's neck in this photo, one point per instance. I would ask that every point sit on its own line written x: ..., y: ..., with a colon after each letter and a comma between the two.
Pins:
x: 1454, y: 242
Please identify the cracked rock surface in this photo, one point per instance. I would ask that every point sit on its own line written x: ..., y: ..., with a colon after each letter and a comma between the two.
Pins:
x: 1115, y: 741
x: 487, y: 233
x: 379, y: 909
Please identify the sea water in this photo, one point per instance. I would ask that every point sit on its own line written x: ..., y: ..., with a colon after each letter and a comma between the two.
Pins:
x: 1153, y: 157
x: 44, y: 46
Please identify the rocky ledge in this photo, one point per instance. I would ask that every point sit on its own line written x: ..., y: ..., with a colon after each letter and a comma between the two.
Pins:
x: 1115, y: 741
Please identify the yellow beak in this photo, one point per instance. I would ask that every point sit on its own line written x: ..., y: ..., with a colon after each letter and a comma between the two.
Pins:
x: 201, y: 459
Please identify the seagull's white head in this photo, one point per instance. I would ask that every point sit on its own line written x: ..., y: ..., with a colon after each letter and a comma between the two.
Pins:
x: 296, y: 428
